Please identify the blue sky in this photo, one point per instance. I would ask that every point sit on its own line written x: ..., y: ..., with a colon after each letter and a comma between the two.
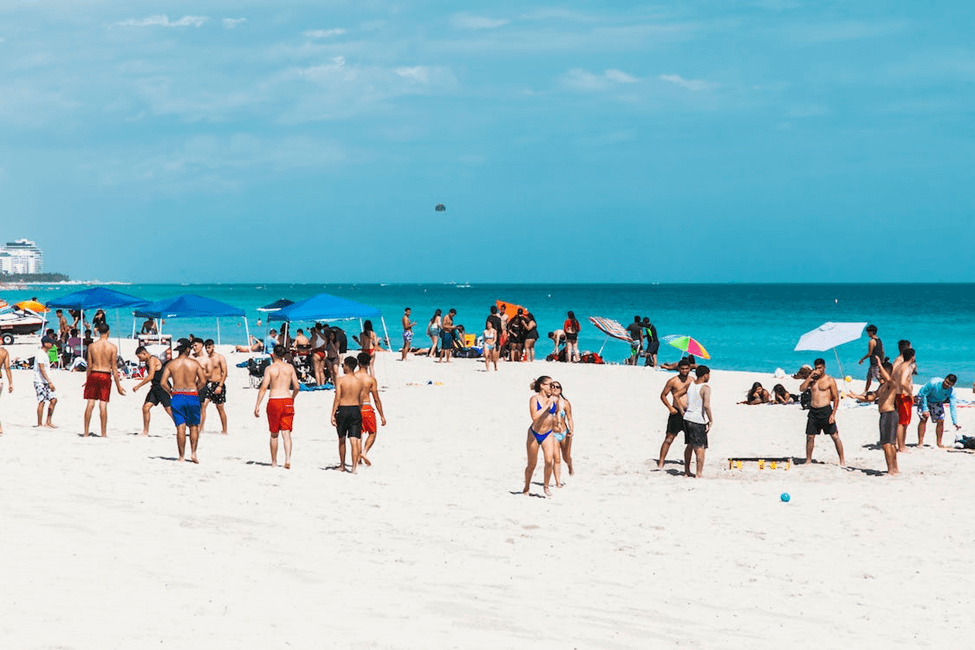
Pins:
x: 576, y: 142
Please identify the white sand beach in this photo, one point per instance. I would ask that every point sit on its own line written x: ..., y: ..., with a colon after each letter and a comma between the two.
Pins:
x: 109, y: 543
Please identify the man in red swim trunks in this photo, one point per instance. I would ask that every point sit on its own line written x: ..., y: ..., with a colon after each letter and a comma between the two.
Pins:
x: 369, y: 389
x: 102, y: 367
x: 282, y: 381
x: 903, y: 376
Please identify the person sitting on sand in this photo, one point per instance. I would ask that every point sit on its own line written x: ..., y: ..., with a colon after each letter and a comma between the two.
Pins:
x: 676, y: 365
x: 149, y: 326
x: 756, y: 395
x: 782, y: 396
x: 543, y: 410
x: 255, y: 346
x: 803, y: 371
x: 564, y: 427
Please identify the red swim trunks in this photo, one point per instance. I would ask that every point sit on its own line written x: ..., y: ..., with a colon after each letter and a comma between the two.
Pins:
x: 280, y: 414
x: 368, y: 419
x: 98, y: 386
x: 904, y: 404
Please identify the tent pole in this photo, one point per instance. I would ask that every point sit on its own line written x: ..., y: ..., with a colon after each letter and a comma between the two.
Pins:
x: 218, y: 331
x: 601, y: 347
x: 133, y: 324
x: 840, y: 365
x: 247, y: 333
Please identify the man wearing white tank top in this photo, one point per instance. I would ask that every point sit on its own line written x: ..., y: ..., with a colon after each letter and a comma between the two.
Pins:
x: 697, y: 420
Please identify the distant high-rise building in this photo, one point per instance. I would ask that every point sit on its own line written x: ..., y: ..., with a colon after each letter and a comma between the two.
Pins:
x: 21, y: 256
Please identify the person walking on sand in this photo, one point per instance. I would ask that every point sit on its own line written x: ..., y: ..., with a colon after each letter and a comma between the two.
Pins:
x: 102, y: 368
x: 5, y: 367
x: 571, y: 327
x: 651, y: 342
x: 875, y: 350
x: 43, y: 385
x: 216, y: 387
x: 490, y: 345
x: 447, y: 336
x: 673, y: 397
x: 531, y: 335
x: 903, y: 375
x: 498, y: 334
x: 635, y: 331
x: 407, y: 333
x: 542, y: 408
x: 931, y: 401
x: 347, y: 412
x: 697, y: 420
x: 822, y: 409
x: 370, y: 390
x: 182, y: 378
x: 564, y: 428
x: 156, y: 395
x: 280, y: 378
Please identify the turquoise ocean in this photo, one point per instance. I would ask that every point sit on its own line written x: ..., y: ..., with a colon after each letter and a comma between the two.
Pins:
x: 744, y: 326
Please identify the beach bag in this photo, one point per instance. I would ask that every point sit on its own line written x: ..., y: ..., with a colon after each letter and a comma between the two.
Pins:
x: 968, y: 442
x: 805, y: 399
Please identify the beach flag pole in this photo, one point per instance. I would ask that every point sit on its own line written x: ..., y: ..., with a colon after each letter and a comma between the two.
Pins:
x: 247, y: 332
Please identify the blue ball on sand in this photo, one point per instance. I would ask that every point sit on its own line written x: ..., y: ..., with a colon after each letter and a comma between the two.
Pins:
x: 785, y: 497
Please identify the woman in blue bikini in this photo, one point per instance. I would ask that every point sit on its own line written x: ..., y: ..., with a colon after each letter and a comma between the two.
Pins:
x: 564, y: 426
x: 543, y: 410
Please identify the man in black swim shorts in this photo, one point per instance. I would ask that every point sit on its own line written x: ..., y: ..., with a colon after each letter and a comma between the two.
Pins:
x: 822, y: 409
x: 347, y: 412
x: 154, y: 371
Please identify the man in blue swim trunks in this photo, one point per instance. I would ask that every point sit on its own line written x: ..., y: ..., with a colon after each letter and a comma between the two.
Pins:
x: 183, y: 377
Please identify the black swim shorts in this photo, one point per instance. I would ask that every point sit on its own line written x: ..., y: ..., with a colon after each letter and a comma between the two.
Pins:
x: 695, y: 435
x: 157, y: 395
x: 208, y: 393
x: 348, y: 422
x: 888, y: 428
x: 818, y: 421
x: 675, y: 424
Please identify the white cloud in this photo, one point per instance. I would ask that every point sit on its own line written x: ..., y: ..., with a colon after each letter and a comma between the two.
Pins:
x: 580, y: 79
x: 162, y: 21
x: 419, y: 73
x: 230, y: 23
x: 620, y: 77
x: 467, y: 21
x: 694, y: 85
x: 323, y: 33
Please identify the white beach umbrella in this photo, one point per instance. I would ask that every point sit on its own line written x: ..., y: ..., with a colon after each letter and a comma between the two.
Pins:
x: 830, y: 335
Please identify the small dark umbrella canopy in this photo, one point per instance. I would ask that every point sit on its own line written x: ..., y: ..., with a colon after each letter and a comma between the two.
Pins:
x: 276, y: 305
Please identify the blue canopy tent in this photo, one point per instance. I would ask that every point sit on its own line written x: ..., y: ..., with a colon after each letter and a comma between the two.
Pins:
x: 96, y: 298
x: 191, y: 306
x: 324, y: 307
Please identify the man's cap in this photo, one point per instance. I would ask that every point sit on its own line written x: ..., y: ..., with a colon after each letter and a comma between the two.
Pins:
x: 47, y: 339
x: 183, y: 344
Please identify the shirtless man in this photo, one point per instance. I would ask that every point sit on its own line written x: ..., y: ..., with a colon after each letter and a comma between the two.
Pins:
x: 154, y: 370
x: 301, y: 342
x: 5, y: 367
x: 903, y: 377
x: 182, y: 378
x: 407, y: 337
x: 102, y: 368
x: 216, y: 389
x: 347, y: 411
x: 822, y: 409
x: 63, y: 328
x: 447, y: 328
x: 282, y: 381
x: 369, y: 390
x: 888, y: 414
x: 675, y: 389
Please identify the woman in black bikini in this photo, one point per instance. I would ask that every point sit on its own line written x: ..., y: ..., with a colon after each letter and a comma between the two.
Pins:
x: 543, y: 410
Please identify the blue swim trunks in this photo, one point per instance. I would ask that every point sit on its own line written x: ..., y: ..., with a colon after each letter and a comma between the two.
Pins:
x: 186, y: 409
